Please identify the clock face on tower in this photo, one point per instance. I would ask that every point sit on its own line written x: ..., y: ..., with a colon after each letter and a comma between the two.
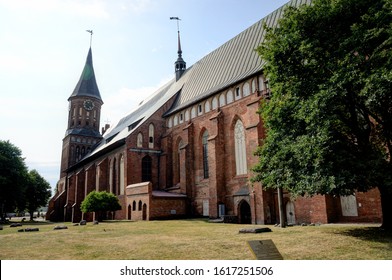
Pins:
x: 88, y: 105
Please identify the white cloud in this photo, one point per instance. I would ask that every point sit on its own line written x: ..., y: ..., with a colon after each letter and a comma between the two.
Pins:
x: 13, y: 62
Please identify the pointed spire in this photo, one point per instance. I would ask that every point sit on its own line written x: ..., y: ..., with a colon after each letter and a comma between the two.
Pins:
x: 179, y: 45
x: 87, y: 85
x: 180, y: 64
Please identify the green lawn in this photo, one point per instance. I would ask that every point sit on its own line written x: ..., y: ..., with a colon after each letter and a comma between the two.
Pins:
x: 190, y: 240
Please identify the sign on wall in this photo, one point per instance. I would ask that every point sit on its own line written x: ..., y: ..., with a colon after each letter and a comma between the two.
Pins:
x: 349, y: 206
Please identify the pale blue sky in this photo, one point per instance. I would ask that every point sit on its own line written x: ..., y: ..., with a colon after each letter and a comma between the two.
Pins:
x: 43, y: 47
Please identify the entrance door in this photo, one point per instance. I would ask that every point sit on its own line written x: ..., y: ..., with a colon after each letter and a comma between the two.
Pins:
x: 245, y: 216
x: 206, y: 208
x: 144, y: 212
x: 129, y: 212
x: 290, y: 213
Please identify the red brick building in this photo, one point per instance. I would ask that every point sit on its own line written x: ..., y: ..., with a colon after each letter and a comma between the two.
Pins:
x: 187, y: 150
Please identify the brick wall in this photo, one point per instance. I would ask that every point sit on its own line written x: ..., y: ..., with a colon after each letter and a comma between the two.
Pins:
x: 167, y: 208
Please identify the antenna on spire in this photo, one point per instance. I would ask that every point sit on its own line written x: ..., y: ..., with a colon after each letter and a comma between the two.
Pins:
x: 180, y: 65
x: 178, y: 31
x: 178, y: 25
x: 91, y: 36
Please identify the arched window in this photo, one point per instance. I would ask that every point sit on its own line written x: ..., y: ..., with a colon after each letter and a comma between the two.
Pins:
x: 205, y: 154
x: 146, y: 169
x: 193, y: 112
x: 207, y: 106
x: 229, y: 97
x: 240, y: 148
x: 237, y: 93
x: 97, y: 176
x: 114, y: 177
x: 122, y: 175
x: 261, y: 83
x: 177, y: 163
x: 214, y: 103
x: 222, y: 100
x: 254, y: 85
x: 151, y: 136
x: 140, y: 205
x: 139, y: 140
x: 199, y: 110
x: 246, y: 89
x: 134, y: 205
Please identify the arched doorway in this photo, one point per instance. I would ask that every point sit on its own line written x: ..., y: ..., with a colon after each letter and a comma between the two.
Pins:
x: 144, y: 212
x: 290, y: 213
x: 146, y: 169
x: 244, y: 214
x: 129, y: 212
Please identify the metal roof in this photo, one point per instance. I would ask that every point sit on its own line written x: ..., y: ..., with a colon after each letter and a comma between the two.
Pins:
x: 232, y: 62
x: 87, y: 85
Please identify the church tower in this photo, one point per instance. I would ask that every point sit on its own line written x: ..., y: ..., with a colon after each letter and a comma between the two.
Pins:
x: 84, y: 114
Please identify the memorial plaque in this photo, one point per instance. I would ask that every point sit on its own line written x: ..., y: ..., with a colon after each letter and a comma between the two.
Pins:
x: 264, y: 250
x: 349, y: 206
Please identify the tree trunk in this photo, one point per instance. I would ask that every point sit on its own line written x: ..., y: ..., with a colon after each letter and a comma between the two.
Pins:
x: 386, y: 207
x: 31, y: 215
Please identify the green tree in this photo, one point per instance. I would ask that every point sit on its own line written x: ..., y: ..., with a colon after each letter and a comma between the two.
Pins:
x: 329, y: 118
x: 37, y: 192
x: 100, y: 203
x: 13, y: 177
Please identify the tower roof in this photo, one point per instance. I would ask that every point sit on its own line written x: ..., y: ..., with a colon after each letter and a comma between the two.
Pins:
x: 87, y: 85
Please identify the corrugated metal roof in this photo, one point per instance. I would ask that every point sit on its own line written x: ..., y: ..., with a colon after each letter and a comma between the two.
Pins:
x: 232, y: 62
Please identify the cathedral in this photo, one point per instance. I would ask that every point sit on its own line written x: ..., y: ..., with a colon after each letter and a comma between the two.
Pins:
x: 188, y: 149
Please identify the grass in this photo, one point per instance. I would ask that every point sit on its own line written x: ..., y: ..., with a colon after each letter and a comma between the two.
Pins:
x: 190, y: 240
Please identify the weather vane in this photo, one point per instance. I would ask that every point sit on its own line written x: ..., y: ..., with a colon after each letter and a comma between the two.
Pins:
x: 91, y: 36
x: 178, y: 25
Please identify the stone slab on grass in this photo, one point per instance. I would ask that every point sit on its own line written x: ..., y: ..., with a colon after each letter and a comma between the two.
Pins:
x: 28, y: 229
x: 254, y: 230
x: 264, y: 250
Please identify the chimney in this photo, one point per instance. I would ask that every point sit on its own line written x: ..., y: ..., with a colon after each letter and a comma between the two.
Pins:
x: 104, y: 129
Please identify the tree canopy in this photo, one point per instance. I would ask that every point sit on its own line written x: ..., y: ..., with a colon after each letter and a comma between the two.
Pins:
x: 329, y: 118
x: 37, y: 192
x: 20, y: 189
x: 13, y: 178
x: 100, y: 202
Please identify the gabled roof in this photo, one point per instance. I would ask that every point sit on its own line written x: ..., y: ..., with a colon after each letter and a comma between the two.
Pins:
x: 234, y: 61
x: 87, y: 85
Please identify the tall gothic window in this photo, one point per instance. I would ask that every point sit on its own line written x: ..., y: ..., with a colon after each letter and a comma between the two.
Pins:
x: 147, y: 169
x: 240, y: 148
x: 177, y: 163
x: 151, y: 136
x: 114, y: 177
x: 122, y: 175
x: 205, y: 154
x: 139, y: 140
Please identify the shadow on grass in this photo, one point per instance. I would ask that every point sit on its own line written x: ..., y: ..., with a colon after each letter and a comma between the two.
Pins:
x: 373, y: 234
